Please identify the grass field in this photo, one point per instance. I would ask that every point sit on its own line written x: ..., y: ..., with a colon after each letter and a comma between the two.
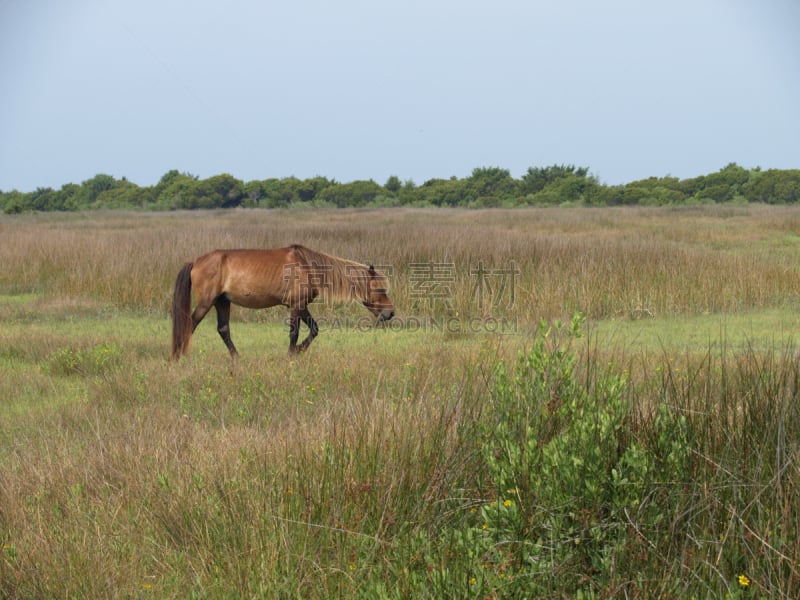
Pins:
x: 570, y: 403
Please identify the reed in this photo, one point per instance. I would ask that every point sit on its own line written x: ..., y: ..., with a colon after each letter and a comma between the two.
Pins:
x: 403, y: 462
x: 604, y: 263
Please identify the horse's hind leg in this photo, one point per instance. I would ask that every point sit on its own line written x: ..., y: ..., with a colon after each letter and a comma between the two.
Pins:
x: 294, y: 331
x: 223, y: 306
x: 199, y: 313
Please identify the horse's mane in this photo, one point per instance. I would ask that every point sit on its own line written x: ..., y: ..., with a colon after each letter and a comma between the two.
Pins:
x: 344, y: 279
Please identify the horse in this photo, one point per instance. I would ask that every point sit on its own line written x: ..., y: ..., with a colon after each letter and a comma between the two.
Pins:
x: 292, y: 277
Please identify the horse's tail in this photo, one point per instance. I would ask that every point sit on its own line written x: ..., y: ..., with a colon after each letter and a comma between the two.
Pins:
x: 182, y: 312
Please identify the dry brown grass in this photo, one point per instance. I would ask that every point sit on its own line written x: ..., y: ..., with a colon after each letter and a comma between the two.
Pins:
x: 128, y: 476
x: 604, y: 262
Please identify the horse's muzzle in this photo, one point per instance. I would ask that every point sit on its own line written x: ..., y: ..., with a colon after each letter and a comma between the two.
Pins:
x: 386, y: 314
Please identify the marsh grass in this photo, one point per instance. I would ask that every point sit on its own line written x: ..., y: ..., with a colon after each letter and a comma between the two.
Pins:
x: 650, y: 452
x: 605, y: 263
x: 220, y: 477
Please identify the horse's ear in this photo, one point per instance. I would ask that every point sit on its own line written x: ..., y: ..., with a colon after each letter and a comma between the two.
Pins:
x: 371, y: 270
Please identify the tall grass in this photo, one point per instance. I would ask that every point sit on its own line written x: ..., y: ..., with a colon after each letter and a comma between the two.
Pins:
x: 551, y: 474
x: 399, y: 463
x: 602, y: 262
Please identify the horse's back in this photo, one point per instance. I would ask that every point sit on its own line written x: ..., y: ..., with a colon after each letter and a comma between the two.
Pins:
x: 253, y: 278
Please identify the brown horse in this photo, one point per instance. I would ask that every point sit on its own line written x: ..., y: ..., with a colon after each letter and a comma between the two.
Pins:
x: 291, y: 277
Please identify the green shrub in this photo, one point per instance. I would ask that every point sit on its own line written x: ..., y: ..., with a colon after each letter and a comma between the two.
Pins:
x: 570, y: 479
x: 92, y: 361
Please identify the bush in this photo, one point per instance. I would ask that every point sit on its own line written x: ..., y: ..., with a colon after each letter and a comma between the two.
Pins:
x: 568, y: 484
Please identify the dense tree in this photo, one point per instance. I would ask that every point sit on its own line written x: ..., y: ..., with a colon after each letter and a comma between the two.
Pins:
x: 564, y: 185
x: 393, y: 184
x: 722, y: 186
x: 175, y: 190
x: 537, y: 178
x: 442, y: 192
x: 485, y: 186
x: 92, y: 188
x: 13, y: 202
x: 489, y: 186
x: 356, y: 193
x: 126, y: 196
x: 653, y: 191
x: 168, y: 178
x: 308, y: 189
x: 276, y: 193
x: 269, y: 193
x: 220, y: 191
x: 43, y: 199
x: 774, y: 187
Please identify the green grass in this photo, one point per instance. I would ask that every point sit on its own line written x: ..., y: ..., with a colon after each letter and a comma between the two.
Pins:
x: 378, y: 462
x: 652, y: 457
x: 762, y: 329
x: 41, y: 338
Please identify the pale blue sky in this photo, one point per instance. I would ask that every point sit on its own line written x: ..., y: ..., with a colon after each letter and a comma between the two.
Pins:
x: 419, y: 89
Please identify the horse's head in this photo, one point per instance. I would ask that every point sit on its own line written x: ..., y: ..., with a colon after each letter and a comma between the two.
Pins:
x: 377, y: 301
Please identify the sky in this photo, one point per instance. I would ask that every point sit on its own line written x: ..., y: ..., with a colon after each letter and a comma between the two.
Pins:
x: 419, y: 89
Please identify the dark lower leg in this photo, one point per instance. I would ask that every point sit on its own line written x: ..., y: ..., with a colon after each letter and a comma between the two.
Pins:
x: 313, y: 329
x: 223, y: 306
x: 294, y: 332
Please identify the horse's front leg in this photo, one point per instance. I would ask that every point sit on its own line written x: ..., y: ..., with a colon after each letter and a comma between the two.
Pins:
x: 313, y: 328
x: 295, y: 316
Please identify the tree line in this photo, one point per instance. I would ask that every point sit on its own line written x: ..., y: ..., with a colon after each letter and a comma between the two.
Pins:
x: 556, y: 185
